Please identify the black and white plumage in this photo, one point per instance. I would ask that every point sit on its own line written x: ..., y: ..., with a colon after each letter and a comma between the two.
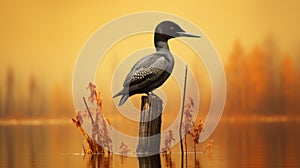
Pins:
x: 151, y: 71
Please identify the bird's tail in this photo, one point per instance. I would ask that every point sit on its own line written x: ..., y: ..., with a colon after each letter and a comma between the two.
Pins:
x: 118, y: 94
x: 123, y: 99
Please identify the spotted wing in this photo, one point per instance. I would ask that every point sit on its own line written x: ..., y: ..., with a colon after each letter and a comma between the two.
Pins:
x: 149, y: 67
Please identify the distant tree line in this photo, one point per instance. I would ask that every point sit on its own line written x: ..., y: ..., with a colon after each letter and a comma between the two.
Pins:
x: 262, y: 82
x: 32, y: 98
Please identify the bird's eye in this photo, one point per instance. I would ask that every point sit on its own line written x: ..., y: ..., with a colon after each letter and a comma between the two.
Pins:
x: 172, y: 28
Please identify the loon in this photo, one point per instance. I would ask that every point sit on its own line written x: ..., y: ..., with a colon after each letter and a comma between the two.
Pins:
x: 151, y: 71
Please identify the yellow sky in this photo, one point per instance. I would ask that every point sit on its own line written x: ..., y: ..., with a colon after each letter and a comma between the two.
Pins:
x: 45, y: 37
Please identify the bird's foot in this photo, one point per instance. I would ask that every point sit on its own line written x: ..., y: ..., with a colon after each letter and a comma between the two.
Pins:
x: 151, y: 94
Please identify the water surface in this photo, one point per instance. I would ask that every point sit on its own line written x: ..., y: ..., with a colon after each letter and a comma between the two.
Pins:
x: 235, y: 145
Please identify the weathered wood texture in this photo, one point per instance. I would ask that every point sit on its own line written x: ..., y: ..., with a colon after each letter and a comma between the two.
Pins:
x: 150, y: 161
x: 149, y: 132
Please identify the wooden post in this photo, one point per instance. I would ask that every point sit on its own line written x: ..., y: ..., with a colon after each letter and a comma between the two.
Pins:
x: 150, y: 161
x: 149, y: 132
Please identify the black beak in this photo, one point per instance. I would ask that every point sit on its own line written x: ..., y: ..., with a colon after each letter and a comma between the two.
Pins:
x: 185, y: 34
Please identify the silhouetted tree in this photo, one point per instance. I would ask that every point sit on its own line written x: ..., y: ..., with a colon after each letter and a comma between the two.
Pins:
x: 289, y: 85
x: 9, y: 97
x: 235, y: 76
x: 32, y: 96
x: 258, y: 79
x: 43, y: 102
x: 1, y: 111
x: 273, y: 60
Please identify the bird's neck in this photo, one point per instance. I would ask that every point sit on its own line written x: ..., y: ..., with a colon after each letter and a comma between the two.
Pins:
x: 161, y: 41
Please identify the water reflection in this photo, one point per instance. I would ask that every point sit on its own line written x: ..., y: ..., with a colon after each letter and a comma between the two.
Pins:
x: 98, y: 160
x: 168, y: 160
x: 150, y: 161
x: 35, y: 146
x: 236, y: 145
x: 262, y: 144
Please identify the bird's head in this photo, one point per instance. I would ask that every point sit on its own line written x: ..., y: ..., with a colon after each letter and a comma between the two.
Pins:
x: 168, y: 30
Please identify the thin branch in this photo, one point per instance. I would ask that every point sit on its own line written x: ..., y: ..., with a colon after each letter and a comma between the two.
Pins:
x: 88, y: 110
x: 180, y: 128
